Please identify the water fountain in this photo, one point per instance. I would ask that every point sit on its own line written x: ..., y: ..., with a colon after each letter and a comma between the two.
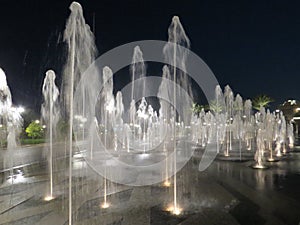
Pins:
x: 50, y: 114
x: 239, y: 128
x: 219, y: 110
x: 145, y: 135
x: 164, y: 94
x: 248, y: 123
x: 228, y: 95
x: 11, y: 120
x: 177, y: 36
x: 109, y: 121
x: 290, y: 135
x: 109, y: 137
x: 81, y: 53
x: 259, y: 155
x: 280, y: 132
x: 260, y: 139
x: 138, y: 71
x: 6, y: 100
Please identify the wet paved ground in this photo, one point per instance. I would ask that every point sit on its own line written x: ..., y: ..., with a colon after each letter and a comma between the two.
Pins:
x: 25, y: 155
x: 227, y: 193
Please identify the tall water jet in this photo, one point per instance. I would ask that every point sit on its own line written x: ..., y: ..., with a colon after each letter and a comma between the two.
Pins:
x: 176, y: 56
x: 119, y: 108
x: 5, y: 95
x: 81, y: 53
x: 11, y: 119
x: 109, y: 120
x: 228, y: 94
x: 138, y: 71
x: 176, y: 53
x: 50, y: 116
x: 247, y: 121
x: 270, y: 125
x: 93, y: 130
x: 108, y: 116
x: 165, y: 97
x: 165, y: 94
x: 218, y: 109
x: 238, y: 106
x: 280, y: 136
x: 283, y: 133
x: 260, y: 139
x: 259, y: 152
x: 142, y: 117
x: 290, y: 135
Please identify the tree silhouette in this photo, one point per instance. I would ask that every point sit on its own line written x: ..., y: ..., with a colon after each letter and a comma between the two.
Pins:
x: 261, y: 101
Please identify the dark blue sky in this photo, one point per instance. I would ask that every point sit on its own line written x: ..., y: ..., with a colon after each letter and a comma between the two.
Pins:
x: 254, y: 46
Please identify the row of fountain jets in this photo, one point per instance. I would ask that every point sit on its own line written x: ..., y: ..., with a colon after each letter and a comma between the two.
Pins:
x: 230, y: 122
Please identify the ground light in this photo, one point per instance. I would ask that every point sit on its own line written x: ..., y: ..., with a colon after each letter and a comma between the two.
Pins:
x: 49, y: 198
x: 105, y: 205
x: 258, y: 166
x: 167, y: 183
x: 174, y: 210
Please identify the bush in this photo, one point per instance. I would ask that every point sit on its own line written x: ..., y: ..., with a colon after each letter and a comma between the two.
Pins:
x: 34, y: 130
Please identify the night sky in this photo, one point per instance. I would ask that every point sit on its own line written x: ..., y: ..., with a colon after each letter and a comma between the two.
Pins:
x: 254, y: 46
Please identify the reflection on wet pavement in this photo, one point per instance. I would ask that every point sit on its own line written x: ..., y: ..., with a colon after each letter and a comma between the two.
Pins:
x: 226, y: 193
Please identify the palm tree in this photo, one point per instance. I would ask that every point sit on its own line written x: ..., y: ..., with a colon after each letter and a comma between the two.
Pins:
x: 215, y: 106
x: 196, y: 108
x: 261, y: 101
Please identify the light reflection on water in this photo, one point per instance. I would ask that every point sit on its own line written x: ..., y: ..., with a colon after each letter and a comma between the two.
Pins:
x: 16, y: 178
x: 277, y: 177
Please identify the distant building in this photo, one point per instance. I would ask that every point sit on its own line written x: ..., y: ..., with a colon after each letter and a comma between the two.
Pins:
x: 291, y: 111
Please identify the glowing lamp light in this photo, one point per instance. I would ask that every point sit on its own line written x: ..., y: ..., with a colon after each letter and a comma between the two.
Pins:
x: 174, y: 210
x: 48, y: 198
x: 167, y: 183
x: 292, y: 102
x: 259, y: 166
x: 105, y: 205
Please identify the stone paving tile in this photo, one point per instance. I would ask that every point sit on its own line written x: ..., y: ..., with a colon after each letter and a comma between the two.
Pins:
x: 259, y: 206
x: 28, y: 220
